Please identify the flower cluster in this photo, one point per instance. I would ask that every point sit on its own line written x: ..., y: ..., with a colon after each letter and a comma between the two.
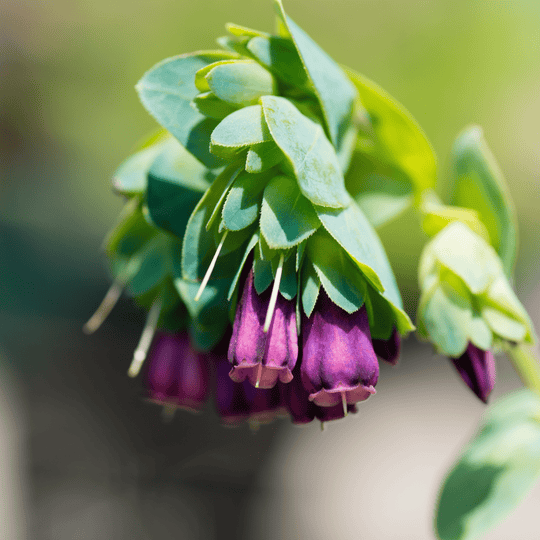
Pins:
x: 263, y: 376
x: 255, y: 206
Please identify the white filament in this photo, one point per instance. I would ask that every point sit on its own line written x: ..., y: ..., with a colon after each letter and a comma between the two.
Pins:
x: 210, y: 268
x: 275, y: 290
x: 139, y: 356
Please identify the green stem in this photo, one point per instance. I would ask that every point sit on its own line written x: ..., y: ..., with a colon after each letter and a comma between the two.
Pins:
x: 526, y: 364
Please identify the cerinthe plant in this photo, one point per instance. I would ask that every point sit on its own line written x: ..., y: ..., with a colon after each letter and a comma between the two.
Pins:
x: 249, y: 236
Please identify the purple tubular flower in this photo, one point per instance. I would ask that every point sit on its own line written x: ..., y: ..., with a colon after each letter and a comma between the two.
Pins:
x: 477, y: 368
x: 339, y: 364
x: 296, y: 400
x: 264, y: 404
x: 231, y: 399
x: 177, y: 376
x: 388, y: 349
x: 263, y: 358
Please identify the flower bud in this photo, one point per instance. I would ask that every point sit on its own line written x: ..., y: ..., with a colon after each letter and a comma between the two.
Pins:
x: 339, y: 364
x: 477, y: 368
x: 177, y: 376
x: 263, y: 358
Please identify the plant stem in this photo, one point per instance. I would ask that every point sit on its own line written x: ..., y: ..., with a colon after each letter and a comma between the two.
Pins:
x: 526, y: 364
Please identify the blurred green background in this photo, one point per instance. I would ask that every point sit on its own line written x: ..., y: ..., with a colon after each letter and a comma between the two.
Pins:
x: 70, y: 115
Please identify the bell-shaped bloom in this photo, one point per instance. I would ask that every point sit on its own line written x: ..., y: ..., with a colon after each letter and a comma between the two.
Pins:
x: 258, y: 356
x: 388, y: 349
x: 176, y: 375
x: 302, y: 410
x: 238, y: 402
x: 296, y: 400
x: 477, y: 368
x: 264, y: 404
x: 339, y: 364
x: 231, y: 399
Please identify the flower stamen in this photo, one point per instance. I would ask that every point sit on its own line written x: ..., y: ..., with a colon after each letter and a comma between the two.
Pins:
x: 106, y: 306
x: 210, y: 268
x: 139, y: 356
x: 273, y: 298
x: 344, y: 402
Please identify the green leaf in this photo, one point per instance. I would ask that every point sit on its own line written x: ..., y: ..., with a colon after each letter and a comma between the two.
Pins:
x: 176, y: 182
x: 381, y: 191
x: 265, y: 252
x: 356, y: 236
x: 238, y: 30
x: 380, y: 315
x: 338, y: 274
x: 241, y: 83
x: 153, y: 267
x: 311, y: 285
x: 130, y: 234
x: 210, y: 105
x: 249, y: 248
x: 242, y: 128
x: 234, y: 45
x: 199, y: 244
x: 209, y: 315
x: 399, y: 139
x: 500, y: 465
x: 480, y: 333
x: 310, y: 153
x: 263, y: 156
x: 280, y: 56
x: 200, y: 77
x: 300, y: 249
x: 131, y: 177
x: 480, y: 184
x: 504, y: 325
x: 501, y: 295
x: 287, y: 217
x: 447, y: 316
x: 467, y: 255
x: 232, y: 173
x: 167, y: 91
x: 262, y: 273
x: 288, y: 283
x: 243, y: 202
x: 335, y: 92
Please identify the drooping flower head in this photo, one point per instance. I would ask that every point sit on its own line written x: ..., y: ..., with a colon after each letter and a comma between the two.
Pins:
x: 263, y: 168
x: 258, y: 356
x: 338, y: 360
x: 467, y: 305
x: 176, y: 375
x: 477, y: 368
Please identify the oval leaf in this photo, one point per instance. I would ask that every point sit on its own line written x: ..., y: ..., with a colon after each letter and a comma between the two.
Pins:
x: 311, y: 155
x: 500, y: 465
x: 399, y: 139
x: 280, y: 56
x: 338, y: 274
x: 243, y: 202
x: 480, y: 184
x: 241, y: 83
x: 242, y: 128
x: 335, y: 92
x: 131, y: 177
x: 210, y: 105
x: 167, y: 90
x: 287, y: 217
x: 263, y: 156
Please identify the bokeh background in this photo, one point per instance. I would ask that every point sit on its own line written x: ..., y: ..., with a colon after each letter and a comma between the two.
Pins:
x: 82, y: 456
